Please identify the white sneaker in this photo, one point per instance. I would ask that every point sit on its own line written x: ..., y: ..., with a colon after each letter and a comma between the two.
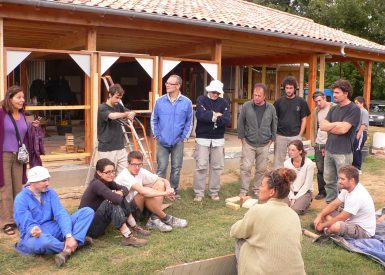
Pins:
x: 157, y: 224
x: 176, y: 222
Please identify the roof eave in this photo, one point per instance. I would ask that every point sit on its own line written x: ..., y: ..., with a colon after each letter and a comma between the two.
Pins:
x: 196, y: 22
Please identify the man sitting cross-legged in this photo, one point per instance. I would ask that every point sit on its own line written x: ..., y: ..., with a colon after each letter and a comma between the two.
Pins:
x: 146, y: 194
x: 107, y: 199
x: 358, y: 218
x: 44, y: 224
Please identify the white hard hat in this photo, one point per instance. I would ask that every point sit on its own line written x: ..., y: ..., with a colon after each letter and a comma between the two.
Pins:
x: 38, y: 173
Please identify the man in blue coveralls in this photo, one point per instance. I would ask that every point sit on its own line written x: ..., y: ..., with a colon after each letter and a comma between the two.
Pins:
x: 44, y: 224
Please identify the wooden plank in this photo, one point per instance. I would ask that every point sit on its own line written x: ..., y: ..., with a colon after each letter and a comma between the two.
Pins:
x: 321, y: 73
x: 264, y: 74
x: 223, y: 265
x: 301, y: 79
x: 234, y: 102
x: 64, y: 156
x: 57, y: 107
x: 249, y: 81
x: 359, y: 68
x: 368, y: 81
x: 45, y: 50
x: 216, y: 56
x: 267, y: 60
x: 2, y: 60
x: 183, y: 50
x: 311, y: 91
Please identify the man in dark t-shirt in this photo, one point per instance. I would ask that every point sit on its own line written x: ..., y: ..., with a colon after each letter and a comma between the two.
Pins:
x: 292, y: 112
x: 340, y: 123
x: 110, y: 134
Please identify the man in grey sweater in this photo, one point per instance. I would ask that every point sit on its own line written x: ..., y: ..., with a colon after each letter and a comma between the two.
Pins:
x: 257, y: 128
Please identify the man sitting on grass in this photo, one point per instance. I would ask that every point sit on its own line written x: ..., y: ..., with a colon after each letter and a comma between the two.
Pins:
x: 146, y: 192
x: 44, y: 224
x: 358, y: 218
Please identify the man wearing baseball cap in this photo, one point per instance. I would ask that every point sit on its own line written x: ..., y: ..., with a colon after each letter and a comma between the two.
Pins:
x: 44, y: 224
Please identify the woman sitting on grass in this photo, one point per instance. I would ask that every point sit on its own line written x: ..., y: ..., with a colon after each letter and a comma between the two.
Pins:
x: 269, y: 235
x: 300, y: 196
x: 108, y: 201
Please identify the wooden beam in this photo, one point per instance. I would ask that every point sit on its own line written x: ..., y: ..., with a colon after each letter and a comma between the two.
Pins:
x: 249, y: 81
x: 92, y: 93
x: 267, y: 60
x: 367, y: 81
x: 264, y: 73
x: 2, y: 60
x: 182, y: 50
x: 321, y: 72
x: 359, y: 68
x: 216, y: 56
x: 301, y: 79
x: 312, y: 89
x: 234, y: 103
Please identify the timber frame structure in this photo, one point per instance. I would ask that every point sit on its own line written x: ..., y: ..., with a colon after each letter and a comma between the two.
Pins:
x: 160, y: 32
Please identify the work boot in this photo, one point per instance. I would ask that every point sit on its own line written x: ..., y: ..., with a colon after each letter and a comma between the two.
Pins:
x: 320, y: 196
x: 157, y: 224
x: 175, y: 222
x: 88, y: 241
x: 131, y: 240
x: 140, y: 231
x: 62, y: 257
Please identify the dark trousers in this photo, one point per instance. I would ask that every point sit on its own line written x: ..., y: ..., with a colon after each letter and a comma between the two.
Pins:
x: 319, y: 161
x: 357, y: 147
x: 108, y: 213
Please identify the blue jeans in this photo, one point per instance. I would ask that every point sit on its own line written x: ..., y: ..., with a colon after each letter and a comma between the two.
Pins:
x: 333, y: 163
x: 162, y: 155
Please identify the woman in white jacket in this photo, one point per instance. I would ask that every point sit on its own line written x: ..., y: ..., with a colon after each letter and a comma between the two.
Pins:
x: 300, y: 196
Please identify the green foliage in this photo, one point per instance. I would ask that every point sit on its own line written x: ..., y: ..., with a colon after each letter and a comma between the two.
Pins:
x: 363, y: 18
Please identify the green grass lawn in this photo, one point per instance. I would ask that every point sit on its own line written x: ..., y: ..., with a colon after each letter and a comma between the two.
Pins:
x: 206, y: 236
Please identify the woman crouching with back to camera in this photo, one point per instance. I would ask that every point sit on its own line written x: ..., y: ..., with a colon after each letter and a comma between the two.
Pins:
x: 269, y: 235
x: 12, y: 172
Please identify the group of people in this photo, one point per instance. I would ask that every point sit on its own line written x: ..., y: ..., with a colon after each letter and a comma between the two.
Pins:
x: 339, y: 132
x: 123, y: 193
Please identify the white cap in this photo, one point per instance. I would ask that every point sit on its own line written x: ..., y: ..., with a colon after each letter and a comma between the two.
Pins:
x: 38, y: 173
x: 215, y: 86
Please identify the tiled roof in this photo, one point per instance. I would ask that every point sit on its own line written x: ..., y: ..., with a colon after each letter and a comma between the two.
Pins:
x: 236, y: 13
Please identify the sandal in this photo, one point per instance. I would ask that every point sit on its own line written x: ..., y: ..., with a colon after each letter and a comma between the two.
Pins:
x: 8, y: 229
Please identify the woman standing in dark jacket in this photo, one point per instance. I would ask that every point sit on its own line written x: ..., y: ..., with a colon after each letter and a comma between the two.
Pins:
x: 12, y: 173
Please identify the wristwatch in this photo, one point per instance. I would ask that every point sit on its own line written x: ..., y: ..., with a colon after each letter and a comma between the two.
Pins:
x: 69, y: 235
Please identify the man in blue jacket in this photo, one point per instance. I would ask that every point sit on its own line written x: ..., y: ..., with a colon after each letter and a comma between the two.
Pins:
x: 212, y: 117
x: 171, y: 124
x: 44, y: 224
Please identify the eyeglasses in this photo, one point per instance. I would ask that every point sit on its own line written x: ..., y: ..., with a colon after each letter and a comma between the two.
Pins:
x: 111, y: 172
x: 137, y: 164
x: 173, y: 84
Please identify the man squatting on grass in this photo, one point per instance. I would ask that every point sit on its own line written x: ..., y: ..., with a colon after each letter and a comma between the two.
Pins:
x: 146, y: 193
x: 358, y: 218
x: 107, y: 199
x: 44, y: 224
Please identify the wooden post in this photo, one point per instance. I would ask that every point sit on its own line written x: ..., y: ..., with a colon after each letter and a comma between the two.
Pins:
x: 367, y: 81
x: 92, y: 94
x: 311, y: 91
x: 2, y: 60
x: 322, y: 72
x: 264, y: 74
x: 235, y: 104
x: 249, y: 81
x: 301, y: 79
x: 216, y: 55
